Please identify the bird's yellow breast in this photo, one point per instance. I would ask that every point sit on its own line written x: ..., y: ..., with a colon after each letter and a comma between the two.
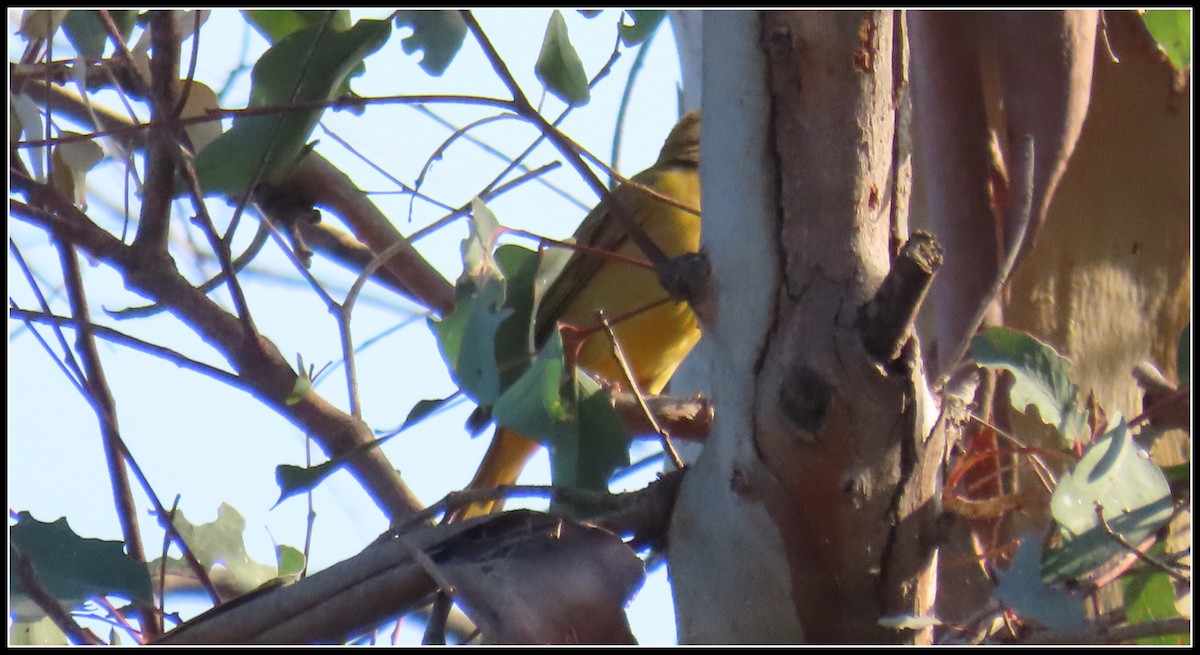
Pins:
x: 654, y: 337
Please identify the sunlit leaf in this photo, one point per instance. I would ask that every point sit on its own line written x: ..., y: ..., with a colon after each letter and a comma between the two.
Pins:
x: 302, y: 386
x: 27, y: 114
x: 478, y: 261
x: 72, y: 161
x: 200, y: 101
x: 41, y: 23
x: 1149, y: 598
x: 1117, y: 475
x: 1114, y: 473
x: 277, y: 24
x: 222, y: 541
x: 559, y: 67
x: 42, y: 632
x: 1172, y: 28
x: 438, y: 33
x: 1041, y: 377
x: 645, y: 21
x: 289, y: 562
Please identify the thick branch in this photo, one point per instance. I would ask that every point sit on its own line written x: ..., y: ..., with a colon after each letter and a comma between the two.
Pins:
x: 319, y: 182
x: 160, y: 155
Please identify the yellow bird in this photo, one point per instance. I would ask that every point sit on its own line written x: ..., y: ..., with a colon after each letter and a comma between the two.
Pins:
x: 654, y: 332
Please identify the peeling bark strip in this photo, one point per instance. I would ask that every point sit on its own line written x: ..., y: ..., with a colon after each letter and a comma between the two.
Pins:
x: 1022, y: 75
x: 857, y: 513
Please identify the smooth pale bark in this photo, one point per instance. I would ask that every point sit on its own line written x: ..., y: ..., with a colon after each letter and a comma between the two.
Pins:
x: 808, y: 516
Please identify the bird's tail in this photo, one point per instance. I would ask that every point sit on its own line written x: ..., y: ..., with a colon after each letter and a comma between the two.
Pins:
x: 503, y: 462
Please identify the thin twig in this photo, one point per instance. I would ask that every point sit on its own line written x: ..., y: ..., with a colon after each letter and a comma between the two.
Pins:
x: 379, y: 169
x: 438, y: 152
x: 68, y: 362
x: 276, y: 129
x: 569, y: 150
x: 485, y: 196
x: 1137, y: 552
x: 665, y: 438
x: 513, y: 163
x: 154, y: 224
x: 1010, y: 260
x: 118, y: 337
x: 32, y: 585
x: 219, y: 114
x: 626, y: 94
x: 186, y: 89
x: 241, y: 262
x: 99, y: 396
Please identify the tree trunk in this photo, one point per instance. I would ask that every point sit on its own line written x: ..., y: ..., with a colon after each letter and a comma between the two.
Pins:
x: 808, y: 516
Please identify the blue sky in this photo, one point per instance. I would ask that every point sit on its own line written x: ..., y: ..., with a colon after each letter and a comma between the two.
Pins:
x: 211, y: 444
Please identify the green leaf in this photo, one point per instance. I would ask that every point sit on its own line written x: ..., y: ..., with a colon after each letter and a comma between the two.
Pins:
x: 1078, y: 556
x: 534, y: 405
x: 72, y: 161
x: 439, y: 33
x: 1149, y: 598
x: 41, y: 23
x: 1172, y: 29
x: 1041, y: 377
x: 422, y: 410
x: 277, y: 24
x: 293, y: 480
x: 1021, y: 588
x: 87, y: 33
x: 289, y: 562
x: 645, y: 21
x: 559, y: 67
x: 72, y: 568
x: 1114, y: 473
x: 221, y: 542
x: 302, y: 386
x: 1119, y: 476
x: 42, y: 632
x: 325, y: 59
x: 467, y: 338
x: 603, y: 443
x: 514, y: 336
x: 587, y: 440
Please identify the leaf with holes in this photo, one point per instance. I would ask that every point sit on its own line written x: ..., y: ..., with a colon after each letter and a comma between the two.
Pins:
x: 72, y: 568
x: 438, y: 33
x: 1041, y: 377
x: 645, y: 21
